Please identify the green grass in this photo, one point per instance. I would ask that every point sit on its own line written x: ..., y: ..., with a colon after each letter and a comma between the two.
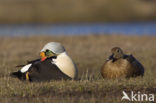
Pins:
x: 89, y: 53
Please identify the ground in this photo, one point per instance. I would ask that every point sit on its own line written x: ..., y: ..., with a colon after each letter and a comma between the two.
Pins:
x: 88, y: 53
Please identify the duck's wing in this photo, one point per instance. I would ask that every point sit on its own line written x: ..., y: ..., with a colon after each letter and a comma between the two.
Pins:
x: 22, y: 65
x: 45, y: 71
x: 33, y: 61
x: 138, y: 69
x: 21, y: 74
x: 29, y: 62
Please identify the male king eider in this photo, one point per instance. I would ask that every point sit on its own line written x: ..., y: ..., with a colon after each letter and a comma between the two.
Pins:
x: 55, y: 64
x: 121, y: 65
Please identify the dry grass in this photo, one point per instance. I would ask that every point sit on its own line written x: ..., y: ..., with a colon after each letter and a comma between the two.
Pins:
x: 54, y: 11
x: 89, y: 53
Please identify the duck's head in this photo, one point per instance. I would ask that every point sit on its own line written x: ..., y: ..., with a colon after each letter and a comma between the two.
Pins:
x: 51, y: 49
x: 117, y: 53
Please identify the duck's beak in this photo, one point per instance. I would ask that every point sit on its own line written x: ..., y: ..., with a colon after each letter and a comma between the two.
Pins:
x: 111, y: 57
x: 43, y: 56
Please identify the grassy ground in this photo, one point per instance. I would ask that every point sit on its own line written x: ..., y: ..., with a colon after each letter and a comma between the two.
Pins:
x: 58, y: 11
x: 89, y: 53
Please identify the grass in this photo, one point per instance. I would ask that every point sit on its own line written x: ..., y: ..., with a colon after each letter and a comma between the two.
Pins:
x: 89, y: 53
x: 63, y: 11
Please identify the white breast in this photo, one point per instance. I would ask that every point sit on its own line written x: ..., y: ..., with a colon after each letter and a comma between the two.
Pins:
x: 66, y: 65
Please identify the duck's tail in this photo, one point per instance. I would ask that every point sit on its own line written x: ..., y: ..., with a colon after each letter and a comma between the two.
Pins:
x: 18, y: 75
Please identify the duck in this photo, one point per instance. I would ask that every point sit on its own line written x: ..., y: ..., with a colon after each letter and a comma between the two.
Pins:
x: 54, y: 64
x: 120, y: 65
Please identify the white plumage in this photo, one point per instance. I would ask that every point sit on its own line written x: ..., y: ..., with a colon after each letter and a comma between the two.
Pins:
x: 25, y: 68
x: 66, y: 65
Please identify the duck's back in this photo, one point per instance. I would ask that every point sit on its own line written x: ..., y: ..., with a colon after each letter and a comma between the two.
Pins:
x: 136, y: 66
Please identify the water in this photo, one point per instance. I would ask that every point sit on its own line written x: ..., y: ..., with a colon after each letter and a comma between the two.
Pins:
x: 79, y: 29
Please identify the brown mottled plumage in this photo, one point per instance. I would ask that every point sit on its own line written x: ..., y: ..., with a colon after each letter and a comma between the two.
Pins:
x: 121, y: 65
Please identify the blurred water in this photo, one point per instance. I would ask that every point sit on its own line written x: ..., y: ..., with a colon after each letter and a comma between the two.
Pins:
x: 79, y: 29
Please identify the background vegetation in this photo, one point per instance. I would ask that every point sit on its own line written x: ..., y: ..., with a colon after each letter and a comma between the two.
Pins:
x: 66, y: 11
x: 89, y: 53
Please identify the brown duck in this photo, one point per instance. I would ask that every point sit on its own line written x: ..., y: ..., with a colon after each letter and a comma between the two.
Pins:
x: 121, y: 65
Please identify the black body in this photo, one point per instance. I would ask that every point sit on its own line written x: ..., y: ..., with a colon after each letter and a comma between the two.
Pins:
x: 42, y: 71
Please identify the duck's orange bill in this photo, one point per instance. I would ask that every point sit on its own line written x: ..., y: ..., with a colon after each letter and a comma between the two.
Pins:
x: 42, y: 55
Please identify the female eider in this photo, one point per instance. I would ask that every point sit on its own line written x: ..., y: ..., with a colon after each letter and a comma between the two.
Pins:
x: 55, y: 64
x: 121, y: 65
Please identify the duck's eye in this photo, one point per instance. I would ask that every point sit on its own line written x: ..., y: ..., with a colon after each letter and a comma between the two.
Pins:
x: 47, y: 50
x: 118, y: 50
